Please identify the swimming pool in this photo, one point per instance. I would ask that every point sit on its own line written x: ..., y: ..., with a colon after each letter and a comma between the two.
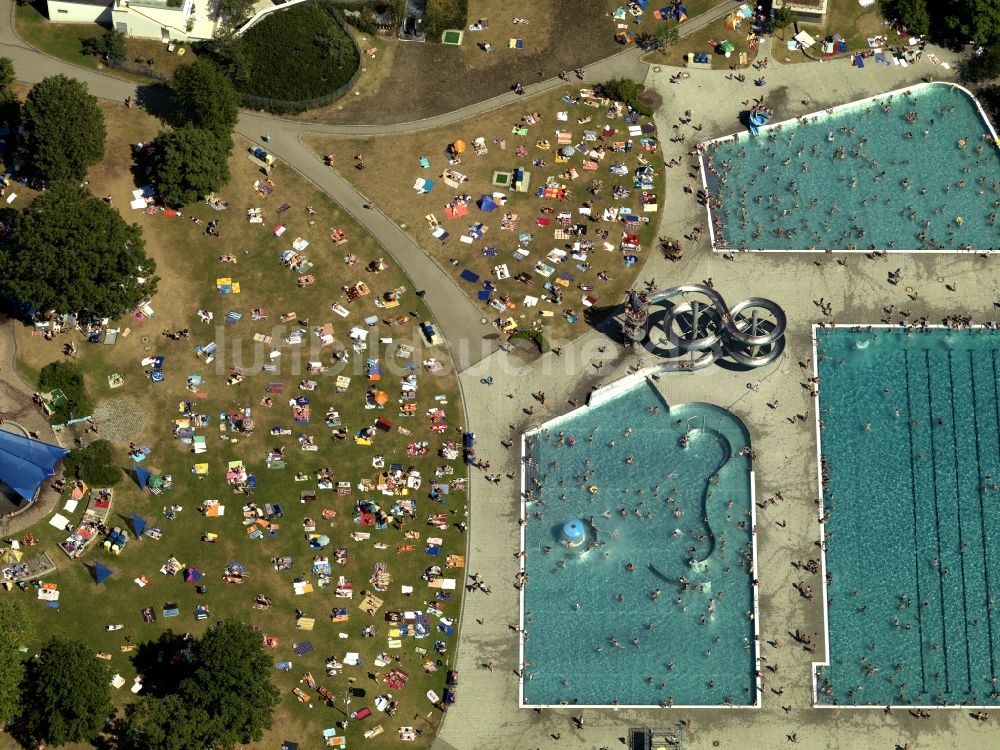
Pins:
x: 912, y: 455
x: 586, y: 614
x: 909, y: 170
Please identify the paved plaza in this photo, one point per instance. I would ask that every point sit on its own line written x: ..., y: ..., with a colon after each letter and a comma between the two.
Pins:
x: 786, y: 452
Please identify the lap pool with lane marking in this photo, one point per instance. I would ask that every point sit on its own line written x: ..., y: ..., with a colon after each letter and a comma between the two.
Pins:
x: 911, y: 453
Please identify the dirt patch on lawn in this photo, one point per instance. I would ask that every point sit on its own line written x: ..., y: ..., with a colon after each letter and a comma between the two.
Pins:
x: 430, y: 78
x: 870, y: 24
x: 120, y: 420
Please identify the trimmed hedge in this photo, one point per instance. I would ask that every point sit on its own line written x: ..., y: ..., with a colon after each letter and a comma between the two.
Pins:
x: 299, y: 53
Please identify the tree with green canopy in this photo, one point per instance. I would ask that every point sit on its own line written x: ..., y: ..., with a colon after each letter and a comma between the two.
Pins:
x: 664, y: 36
x: 16, y: 629
x: 68, y: 378
x: 234, y: 12
x: 912, y: 13
x: 7, y: 74
x: 95, y: 464
x: 205, y: 97
x: 66, y: 693
x: 189, y: 163
x: 64, y: 130
x: 72, y: 252
x: 783, y: 18
x: 172, y: 725
x: 228, y: 699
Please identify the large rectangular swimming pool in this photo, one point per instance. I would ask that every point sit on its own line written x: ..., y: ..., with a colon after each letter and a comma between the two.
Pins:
x: 910, y: 451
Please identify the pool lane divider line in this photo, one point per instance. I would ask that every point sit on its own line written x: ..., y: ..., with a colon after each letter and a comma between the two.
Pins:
x: 982, y: 509
x: 996, y: 407
x: 937, y: 520
x: 958, y: 506
x: 916, y: 526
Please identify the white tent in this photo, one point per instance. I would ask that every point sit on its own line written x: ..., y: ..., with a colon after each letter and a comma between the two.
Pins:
x: 804, y: 39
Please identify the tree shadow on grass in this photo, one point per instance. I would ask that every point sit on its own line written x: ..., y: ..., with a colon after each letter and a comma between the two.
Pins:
x: 163, y: 663
x: 155, y: 99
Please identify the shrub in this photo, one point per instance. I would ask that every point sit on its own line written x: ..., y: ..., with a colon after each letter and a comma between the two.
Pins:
x: 68, y: 378
x: 444, y: 14
x: 628, y: 91
x: 110, y: 46
x: 94, y: 464
x: 989, y: 97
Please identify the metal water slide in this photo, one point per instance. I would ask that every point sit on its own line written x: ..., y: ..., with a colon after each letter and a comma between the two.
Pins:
x: 751, y: 332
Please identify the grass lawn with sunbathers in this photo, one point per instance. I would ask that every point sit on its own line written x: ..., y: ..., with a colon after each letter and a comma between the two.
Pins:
x: 498, y: 205
x: 707, y: 40
x: 363, y: 522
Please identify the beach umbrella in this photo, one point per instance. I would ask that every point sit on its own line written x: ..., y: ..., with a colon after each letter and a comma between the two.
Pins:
x: 192, y: 575
x: 381, y: 398
x: 458, y: 147
x: 142, y: 476
x: 12, y: 556
x: 566, y: 150
x: 320, y: 541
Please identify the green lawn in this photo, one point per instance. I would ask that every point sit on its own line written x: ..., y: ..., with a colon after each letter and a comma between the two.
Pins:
x: 65, y: 41
x: 189, y: 266
x: 392, y: 165
x: 846, y: 18
x: 62, y: 40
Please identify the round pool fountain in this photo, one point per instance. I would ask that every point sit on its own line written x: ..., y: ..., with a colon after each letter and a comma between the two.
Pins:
x: 574, y: 533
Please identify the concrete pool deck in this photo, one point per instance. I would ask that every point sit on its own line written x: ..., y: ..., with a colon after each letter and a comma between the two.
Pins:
x: 486, y: 714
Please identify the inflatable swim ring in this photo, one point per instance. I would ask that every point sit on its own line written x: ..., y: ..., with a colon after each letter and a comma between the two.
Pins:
x: 593, y: 489
x: 959, y: 220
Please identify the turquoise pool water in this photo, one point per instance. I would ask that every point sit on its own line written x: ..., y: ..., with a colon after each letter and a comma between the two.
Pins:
x: 840, y: 182
x: 703, y: 627
x: 913, y: 453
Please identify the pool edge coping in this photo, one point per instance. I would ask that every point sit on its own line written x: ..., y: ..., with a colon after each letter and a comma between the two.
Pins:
x: 632, y: 380
x: 701, y: 146
x: 822, y: 533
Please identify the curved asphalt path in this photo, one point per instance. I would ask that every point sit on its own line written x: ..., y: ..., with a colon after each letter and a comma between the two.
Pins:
x: 460, y: 320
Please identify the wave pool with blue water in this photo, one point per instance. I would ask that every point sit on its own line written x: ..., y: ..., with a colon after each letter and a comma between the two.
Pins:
x: 647, y: 599
x: 917, y: 170
x: 911, y: 450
